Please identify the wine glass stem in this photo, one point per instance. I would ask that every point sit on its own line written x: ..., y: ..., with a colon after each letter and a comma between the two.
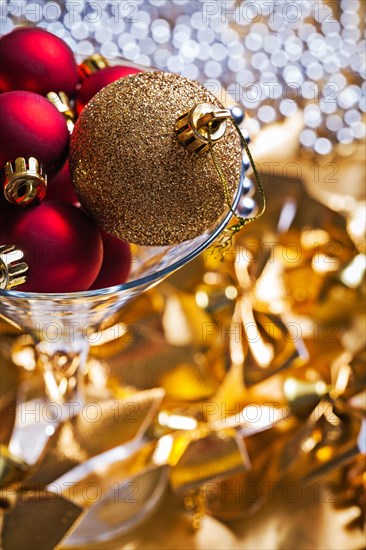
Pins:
x: 63, y: 365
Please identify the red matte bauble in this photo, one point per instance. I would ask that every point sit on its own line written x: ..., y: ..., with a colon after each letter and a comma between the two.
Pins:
x: 61, y: 245
x: 35, y: 60
x: 98, y: 80
x: 59, y: 188
x: 32, y: 127
x: 7, y: 212
x: 116, y: 262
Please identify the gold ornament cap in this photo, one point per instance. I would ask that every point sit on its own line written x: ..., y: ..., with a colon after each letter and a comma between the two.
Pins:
x: 12, y: 273
x: 195, y: 127
x: 92, y: 64
x: 132, y: 174
x: 62, y: 103
x: 24, y: 181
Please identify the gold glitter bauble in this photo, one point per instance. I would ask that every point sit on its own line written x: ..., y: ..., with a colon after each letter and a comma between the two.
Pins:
x: 133, y: 176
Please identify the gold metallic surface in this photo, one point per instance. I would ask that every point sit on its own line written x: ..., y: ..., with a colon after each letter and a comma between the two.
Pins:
x: 204, y: 456
x: 233, y: 373
x: 192, y: 127
x: 119, y: 421
x: 12, y: 271
x: 217, y: 339
x: 55, y: 516
x: 24, y: 180
x: 131, y: 173
x: 92, y: 64
x: 12, y: 469
x: 63, y: 105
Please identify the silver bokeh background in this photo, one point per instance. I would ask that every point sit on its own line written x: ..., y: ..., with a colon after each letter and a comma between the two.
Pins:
x: 273, y: 57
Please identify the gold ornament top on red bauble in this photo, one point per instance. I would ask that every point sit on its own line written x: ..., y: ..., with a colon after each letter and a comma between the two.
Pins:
x: 130, y: 170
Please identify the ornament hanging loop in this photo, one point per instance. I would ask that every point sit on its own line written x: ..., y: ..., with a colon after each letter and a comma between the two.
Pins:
x: 198, y: 130
x: 204, y: 122
x: 224, y: 242
x: 211, y: 122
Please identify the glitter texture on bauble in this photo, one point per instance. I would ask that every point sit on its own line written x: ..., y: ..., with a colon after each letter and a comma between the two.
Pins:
x: 133, y: 176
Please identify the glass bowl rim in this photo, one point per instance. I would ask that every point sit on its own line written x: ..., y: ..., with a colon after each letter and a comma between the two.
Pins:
x: 149, y: 279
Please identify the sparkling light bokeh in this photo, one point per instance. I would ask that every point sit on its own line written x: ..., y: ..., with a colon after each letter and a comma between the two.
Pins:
x: 273, y: 57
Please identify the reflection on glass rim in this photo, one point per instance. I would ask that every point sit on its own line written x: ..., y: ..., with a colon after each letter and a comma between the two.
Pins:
x: 164, y: 272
